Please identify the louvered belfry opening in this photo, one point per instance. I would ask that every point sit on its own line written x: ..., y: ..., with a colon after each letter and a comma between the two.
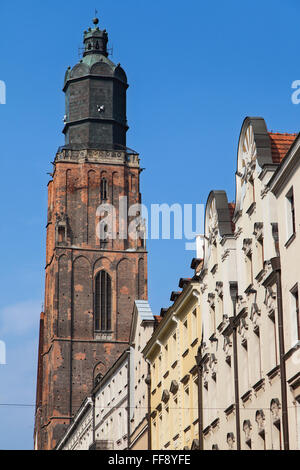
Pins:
x: 103, y: 301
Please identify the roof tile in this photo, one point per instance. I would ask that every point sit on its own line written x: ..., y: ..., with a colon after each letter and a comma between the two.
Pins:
x: 280, y: 144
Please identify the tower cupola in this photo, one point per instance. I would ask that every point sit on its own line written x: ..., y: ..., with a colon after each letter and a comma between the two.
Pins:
x: 95, y: 90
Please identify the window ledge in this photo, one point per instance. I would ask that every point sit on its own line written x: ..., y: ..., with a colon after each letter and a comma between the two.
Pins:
x: 260, y: 384
x: 206, y: 430
x: 185, y: 352
x: 290, y: 240
x: 229, y: 410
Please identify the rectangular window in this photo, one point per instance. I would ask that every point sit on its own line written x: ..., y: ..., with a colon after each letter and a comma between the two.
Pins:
x: 251, y: 191
x: 290, y: 204
x: 154, y: 434
x: 194, y: 325
x: 249, y: 267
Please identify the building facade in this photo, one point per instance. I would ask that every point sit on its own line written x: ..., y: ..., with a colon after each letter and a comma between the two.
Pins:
x: 102, y: 421
x: 228, y: 378
x: 94, y: 268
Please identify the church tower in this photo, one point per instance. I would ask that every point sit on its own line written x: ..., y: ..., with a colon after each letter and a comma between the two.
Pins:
x: 94, y: 269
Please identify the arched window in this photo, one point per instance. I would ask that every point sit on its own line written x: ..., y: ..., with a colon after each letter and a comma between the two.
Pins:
x: 103, y: 301
x: 103, y: 189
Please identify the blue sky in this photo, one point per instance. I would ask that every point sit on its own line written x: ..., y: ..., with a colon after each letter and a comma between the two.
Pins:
x: 196, y: 69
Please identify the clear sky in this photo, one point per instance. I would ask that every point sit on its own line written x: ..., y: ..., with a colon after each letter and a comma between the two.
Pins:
x: 196, y: 69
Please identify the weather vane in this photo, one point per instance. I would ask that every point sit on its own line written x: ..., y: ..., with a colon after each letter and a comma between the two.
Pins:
x: 96, y: 20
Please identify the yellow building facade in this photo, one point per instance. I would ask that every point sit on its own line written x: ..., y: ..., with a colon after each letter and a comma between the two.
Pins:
x: 171, y: 354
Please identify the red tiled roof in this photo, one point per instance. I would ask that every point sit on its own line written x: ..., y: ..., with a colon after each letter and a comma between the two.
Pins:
x: 280, y: 144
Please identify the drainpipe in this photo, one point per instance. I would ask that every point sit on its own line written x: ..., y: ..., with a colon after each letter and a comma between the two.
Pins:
x: 275, y: 263
x: 233, y: 294
x: 148, y: 383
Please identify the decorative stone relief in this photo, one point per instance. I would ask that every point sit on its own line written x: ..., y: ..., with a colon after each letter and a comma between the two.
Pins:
x: 212, y: 223
x: 270, y: 300
x: 247, y: 246
x: 258, y: 230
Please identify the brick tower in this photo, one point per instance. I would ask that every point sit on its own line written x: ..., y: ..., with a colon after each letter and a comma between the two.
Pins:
x: 94, y: 271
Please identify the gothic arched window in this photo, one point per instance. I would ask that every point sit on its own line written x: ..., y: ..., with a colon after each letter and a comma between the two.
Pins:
x: 103, y: 301
x: 103, y: 189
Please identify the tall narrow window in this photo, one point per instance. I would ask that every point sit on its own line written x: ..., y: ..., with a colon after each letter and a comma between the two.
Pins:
x: 291, y: 224
x: 103, y: 302
x: 103, y: 189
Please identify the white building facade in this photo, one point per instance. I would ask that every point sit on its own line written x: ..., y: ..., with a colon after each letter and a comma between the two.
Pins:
x: 249, y: 283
